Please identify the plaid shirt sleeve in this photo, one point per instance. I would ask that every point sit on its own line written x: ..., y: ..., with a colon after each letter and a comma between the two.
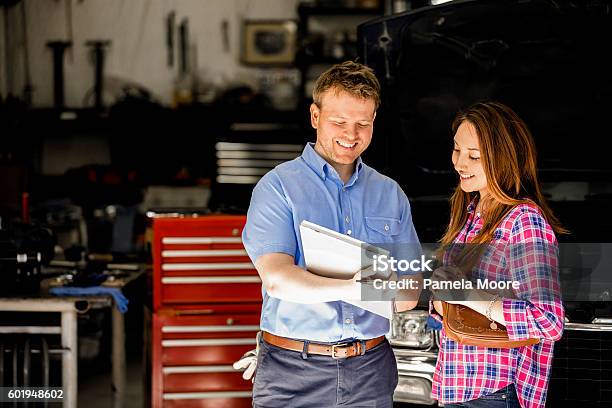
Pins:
x: 532, y: 254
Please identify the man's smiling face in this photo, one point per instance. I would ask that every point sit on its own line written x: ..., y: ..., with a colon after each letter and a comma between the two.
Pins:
x: 344, y: 125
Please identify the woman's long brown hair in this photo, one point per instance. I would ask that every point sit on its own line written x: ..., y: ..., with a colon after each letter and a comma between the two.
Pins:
x: 508, y: 157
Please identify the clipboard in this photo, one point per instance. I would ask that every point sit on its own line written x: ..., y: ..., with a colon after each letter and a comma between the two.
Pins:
x: 334, y: 255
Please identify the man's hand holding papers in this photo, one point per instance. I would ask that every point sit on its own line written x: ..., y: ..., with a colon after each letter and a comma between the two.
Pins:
x: 373, y: 286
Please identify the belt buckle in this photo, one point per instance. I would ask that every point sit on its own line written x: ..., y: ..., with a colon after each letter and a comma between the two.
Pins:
x: 333, y: 350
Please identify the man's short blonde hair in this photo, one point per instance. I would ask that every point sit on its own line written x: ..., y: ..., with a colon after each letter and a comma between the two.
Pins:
x: 352, y: 77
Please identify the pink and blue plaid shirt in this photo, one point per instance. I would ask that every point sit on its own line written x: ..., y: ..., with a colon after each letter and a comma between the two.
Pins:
x: 530, y: 256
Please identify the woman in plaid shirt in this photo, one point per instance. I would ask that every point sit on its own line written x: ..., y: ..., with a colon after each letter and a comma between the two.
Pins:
x: 499, y: 202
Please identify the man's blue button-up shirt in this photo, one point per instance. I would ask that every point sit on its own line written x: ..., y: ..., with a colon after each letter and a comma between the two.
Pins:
x: 370, y: 207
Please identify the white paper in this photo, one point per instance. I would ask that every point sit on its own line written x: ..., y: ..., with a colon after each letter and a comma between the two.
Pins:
x: 333, y: 255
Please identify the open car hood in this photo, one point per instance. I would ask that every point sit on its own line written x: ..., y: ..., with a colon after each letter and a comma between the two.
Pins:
x: 548, y: 60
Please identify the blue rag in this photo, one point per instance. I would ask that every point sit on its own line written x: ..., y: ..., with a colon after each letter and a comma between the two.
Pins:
x: 121, y: 301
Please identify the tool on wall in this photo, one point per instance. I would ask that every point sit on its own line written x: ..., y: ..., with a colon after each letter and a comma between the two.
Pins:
x: 69, y: 30
x: 8, y: 65
x: 8, y: 84
x: 98, y: 53
x: 184, y: 47
x: 58, y: 48
x: 170, y: 23
x: 225, y: 35
x: 27, y: 88
x: 184, y: 85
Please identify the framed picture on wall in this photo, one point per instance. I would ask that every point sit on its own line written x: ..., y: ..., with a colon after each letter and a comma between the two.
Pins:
x: 269, y: 42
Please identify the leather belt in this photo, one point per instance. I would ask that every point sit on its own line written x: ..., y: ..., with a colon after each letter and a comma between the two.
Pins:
x: 337, y: 351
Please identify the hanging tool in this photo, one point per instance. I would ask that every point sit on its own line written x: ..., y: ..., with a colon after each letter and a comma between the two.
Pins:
x: 58, y: 48
x: 184, y: 47
x: 8, y: 65
x: 27, y: 89
x: 7, y: 54
x: 69, y: 31
x: 170, y: 37
x: 225, y: 35
x: 98, y: 51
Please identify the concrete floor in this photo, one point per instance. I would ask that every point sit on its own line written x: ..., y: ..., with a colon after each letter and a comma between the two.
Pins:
x: 95, y: 387
x: 95, y: 375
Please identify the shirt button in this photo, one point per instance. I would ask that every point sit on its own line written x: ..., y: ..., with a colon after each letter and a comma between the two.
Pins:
x: 386, y: 227
x: 348, y: 232
x: 347, y: 219
x: 347, y: 321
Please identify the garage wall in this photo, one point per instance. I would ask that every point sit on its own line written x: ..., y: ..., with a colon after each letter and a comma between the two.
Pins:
x: 138, y: 52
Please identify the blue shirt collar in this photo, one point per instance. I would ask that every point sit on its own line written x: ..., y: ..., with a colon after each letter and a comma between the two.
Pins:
x: 323, y: 168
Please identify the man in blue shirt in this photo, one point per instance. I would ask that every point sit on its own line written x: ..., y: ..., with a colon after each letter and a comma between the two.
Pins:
x: 318, y: 351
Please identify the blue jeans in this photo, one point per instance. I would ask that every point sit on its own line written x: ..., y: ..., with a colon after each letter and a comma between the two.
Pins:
x: 504, y: 398
x: 285, y: 379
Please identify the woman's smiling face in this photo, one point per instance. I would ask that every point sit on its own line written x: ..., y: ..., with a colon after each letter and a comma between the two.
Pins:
x: 467, y: 161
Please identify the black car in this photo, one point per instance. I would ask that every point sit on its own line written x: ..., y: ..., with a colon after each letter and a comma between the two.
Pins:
x: 550, y: 61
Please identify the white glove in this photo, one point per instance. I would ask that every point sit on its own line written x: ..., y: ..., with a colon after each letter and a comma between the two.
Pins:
x: 248, y: 362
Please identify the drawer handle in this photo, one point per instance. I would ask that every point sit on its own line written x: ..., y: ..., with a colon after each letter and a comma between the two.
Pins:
x: 193, y: 312
x: 199, y: 369
x: 201, y: 240
x: 208, y: 329
x: 227, y: 179
x: 207, y: 342
x: 181, y: 280
x: 256, y: 155
x: 203, y: 253
x: 206, y: 395
x: 269, y: 147
x: 207, y: 266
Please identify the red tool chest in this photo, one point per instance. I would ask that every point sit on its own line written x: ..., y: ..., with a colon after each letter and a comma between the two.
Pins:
x: 207, y: 304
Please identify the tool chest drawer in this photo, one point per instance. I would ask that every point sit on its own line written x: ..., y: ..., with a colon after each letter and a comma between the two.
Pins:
x: 209, y: 400
x: 215, y: 339
x: 202, y: 259
x: 193, y: 352
x: 206, y: 312
x: 185, y: 289
x: 225, y: 226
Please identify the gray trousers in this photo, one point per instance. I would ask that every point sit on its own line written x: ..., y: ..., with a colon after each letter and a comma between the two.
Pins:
x: 285, y: 379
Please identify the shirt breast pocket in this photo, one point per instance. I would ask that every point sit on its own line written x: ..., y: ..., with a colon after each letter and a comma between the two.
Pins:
x: 382, y: 229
